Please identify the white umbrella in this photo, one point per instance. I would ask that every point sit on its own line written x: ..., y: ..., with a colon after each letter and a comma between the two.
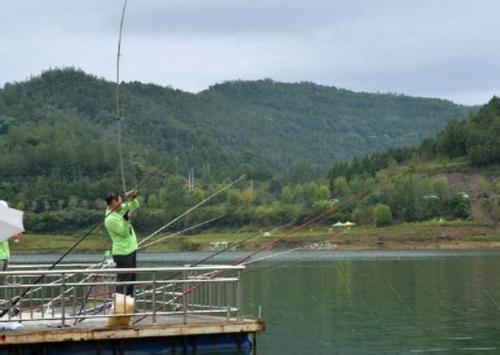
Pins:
x: 11, y: 221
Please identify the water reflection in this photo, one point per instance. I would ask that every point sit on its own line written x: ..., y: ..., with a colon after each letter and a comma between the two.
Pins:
x: 365, y: 302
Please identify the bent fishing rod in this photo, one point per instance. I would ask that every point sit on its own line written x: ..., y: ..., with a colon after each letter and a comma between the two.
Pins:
x: 117, y: 100
x: 82, y: 238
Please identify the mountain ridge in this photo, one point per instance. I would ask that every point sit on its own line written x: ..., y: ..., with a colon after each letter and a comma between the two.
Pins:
x: 260, y: 122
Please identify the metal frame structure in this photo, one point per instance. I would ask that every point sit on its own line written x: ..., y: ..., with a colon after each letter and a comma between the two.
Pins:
x: 70, y: 295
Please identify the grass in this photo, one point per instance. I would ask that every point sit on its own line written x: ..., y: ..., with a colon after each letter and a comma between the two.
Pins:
x: 483, y: 238
x: 412, y: 235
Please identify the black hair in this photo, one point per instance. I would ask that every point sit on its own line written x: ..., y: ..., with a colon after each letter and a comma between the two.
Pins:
x: 112, y: 197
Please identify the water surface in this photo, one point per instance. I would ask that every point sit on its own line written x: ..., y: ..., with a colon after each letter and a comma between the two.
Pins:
x: 366, y: 302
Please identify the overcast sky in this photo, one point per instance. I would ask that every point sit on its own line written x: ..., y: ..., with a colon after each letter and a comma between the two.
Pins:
x: 438, y: 48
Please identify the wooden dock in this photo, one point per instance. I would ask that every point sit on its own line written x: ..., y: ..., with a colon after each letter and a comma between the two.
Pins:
x: 169, y: 336
x: 198, y: 311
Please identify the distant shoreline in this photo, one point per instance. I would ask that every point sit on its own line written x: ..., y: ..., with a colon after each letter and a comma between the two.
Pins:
x: 452, y: 235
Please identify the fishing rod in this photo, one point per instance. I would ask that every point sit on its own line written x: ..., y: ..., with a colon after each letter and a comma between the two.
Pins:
x: 15, y: 300
x: 180, y: 232
x: 244, y: 240
x: 270, y: 244
x: 265, y: 257
x: 117, y: 99
x: 298, y: 228
x: 221, y: 251
x: 190, y: 210
x: 200, y: 261
x: 84, y: 301
x: 102, y: 265
x: 163, y: 227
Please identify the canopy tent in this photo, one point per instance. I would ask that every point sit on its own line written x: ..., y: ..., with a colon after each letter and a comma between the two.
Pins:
x: 11, y: 221
x: 346, y: 224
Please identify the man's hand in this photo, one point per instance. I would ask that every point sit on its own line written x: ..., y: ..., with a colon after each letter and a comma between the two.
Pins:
x: 131, y: 194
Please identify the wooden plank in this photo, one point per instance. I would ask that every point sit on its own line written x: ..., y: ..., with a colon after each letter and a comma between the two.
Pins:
x: 143, y: 331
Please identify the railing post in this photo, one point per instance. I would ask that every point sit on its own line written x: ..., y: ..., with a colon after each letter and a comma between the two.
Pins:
x: 228, y: 299
x: 240, y: 295
x: 184, y: 295
x: 63, y: 304
x: 154, y: 297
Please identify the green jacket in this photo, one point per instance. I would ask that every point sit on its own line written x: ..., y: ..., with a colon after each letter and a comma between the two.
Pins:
x: 121, y: 231
x: 4, y: 250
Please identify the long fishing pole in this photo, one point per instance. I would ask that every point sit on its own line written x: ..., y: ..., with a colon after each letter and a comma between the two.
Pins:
x: 144, y: 247
x: 146, y: 179
x: 190, y: 210
x: 117, y: 99
x: 270, y: 244
x: 201, y: 224
x: 231, y: 246
x: 213, y: 255
x: 82, y: 238
x: 298, y: 228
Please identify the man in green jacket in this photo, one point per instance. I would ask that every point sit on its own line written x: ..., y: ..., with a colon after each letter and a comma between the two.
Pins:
x: 119, y: 227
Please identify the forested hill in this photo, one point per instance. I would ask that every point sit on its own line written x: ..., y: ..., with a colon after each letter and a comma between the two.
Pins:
x: 287, y: 122
x: 259, y: 122
x: 59, y: 159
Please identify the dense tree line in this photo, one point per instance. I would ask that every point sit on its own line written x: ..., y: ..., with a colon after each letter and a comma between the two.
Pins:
x: 58, y: 151
x: 476, y: 139
x: 413, y: 197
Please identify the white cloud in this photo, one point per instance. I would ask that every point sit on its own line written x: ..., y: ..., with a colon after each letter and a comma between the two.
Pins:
x: 438, y: 48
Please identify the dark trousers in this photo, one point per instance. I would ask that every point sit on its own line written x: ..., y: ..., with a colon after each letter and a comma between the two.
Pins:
x: 126, y: 262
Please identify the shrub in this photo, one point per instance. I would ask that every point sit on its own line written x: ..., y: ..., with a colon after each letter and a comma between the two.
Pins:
x: 382, y: 215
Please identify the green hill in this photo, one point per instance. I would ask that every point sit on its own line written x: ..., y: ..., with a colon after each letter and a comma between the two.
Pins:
x: 258, y: 122
x: 452, y: 175
x: 58, y: 148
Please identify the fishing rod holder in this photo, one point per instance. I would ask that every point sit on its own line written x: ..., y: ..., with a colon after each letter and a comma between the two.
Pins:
x: 82, y: 295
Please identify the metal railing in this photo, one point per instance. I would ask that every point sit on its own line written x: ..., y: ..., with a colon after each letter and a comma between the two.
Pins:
x: 68, y: 296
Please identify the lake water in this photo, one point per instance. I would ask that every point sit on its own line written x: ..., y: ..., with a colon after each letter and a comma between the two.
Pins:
x: 366, y: 302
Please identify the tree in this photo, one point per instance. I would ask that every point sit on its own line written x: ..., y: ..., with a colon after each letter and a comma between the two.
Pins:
x: 340, y: 187
x: 233, y: 198
x: 440, y: 187
x: 152, y: 201
x: 287, y: 195
x: 247, y: 196
x: 382, y: 215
